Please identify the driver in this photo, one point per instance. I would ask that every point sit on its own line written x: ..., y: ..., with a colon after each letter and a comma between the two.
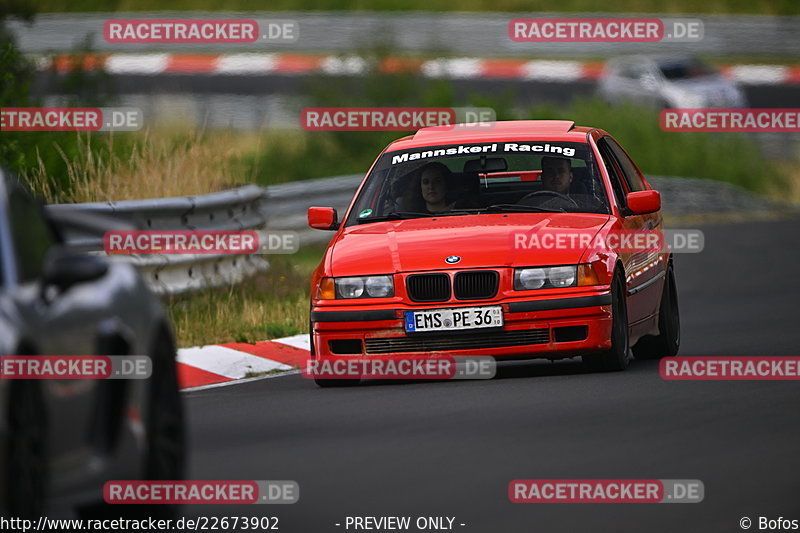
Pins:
x: 428, y: 191
x: 556, y: 174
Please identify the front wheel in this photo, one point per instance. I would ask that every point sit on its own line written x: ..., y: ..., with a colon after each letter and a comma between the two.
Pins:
x: 616, y: 357
x: 668, y: 341
x: 165, y: 459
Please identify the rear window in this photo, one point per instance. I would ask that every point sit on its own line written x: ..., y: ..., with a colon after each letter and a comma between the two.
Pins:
x: 465, y: 179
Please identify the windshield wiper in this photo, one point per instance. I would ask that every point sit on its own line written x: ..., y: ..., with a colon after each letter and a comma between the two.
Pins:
x: 402, y: 215
x: 395, y: 215
x: 515, y: 208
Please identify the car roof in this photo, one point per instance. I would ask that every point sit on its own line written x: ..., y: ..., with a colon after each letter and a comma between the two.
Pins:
x: 511, y: 130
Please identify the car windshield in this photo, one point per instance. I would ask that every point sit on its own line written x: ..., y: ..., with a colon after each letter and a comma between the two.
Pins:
x: 468, y: 179
x: 686, y: 69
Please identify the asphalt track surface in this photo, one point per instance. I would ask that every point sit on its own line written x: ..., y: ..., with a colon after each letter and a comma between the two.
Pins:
x: 451, y: 448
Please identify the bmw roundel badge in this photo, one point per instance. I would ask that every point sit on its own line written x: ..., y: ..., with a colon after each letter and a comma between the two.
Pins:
x: 453, y: 259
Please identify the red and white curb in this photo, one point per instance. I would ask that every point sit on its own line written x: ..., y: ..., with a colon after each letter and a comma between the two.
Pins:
x: 215, y: 365
x: 451, y: 68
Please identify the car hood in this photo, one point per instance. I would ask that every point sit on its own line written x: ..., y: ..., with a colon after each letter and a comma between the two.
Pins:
x: 491, y: 240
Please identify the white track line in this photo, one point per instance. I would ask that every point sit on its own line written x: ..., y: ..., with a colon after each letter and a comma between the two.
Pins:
x: 301, y: 341
x: 238, y: 381
x: 223, y: 361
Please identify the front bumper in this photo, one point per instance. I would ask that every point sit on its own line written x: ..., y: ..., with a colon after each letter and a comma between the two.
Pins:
x: 552, y: 328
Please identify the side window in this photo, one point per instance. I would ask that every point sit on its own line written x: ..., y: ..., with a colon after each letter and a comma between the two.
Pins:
x: 30, y: 234
x: 632, y: 175
x: 613, y: 173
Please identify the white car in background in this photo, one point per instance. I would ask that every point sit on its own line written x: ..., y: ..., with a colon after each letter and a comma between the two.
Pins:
x: 667, y: 82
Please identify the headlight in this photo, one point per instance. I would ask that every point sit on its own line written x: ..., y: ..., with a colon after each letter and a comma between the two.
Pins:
x: 562, y: 276
x: 529, y: 278
x: 364, y: 287
x: 526, y: 279
x: 379, y: 286
x: 349, y: 287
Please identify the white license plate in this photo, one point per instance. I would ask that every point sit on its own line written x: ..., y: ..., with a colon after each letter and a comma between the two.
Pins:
x: 454, y: 319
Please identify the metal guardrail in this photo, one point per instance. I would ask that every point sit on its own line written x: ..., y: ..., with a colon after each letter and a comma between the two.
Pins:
x: 235, y: 209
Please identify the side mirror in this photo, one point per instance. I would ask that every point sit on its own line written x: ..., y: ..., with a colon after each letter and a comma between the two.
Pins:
x: 644, y: 202
x: 63, y: 270
x: 323, y: 218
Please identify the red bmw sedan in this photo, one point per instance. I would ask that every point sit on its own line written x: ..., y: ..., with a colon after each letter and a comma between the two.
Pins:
x: 510, y: 241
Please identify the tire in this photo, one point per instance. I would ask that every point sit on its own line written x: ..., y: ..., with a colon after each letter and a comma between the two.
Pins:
x: 615, y: 358
x: 668, y: 341
x: 165, y: 455
x: 165, y: 458
x: 26, y: 462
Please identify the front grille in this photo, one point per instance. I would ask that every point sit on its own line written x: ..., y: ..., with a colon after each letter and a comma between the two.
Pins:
x: 476, y: 284
x: 493, y: 339
x: 428, y: 287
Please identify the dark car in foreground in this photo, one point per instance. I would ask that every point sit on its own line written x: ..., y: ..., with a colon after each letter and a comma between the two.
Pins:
x: 61, y: 440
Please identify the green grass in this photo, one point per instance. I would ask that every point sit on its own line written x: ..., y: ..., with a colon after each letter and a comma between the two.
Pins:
x: 96, y: 167
x: 271, y: 305
x: 766, y: 7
